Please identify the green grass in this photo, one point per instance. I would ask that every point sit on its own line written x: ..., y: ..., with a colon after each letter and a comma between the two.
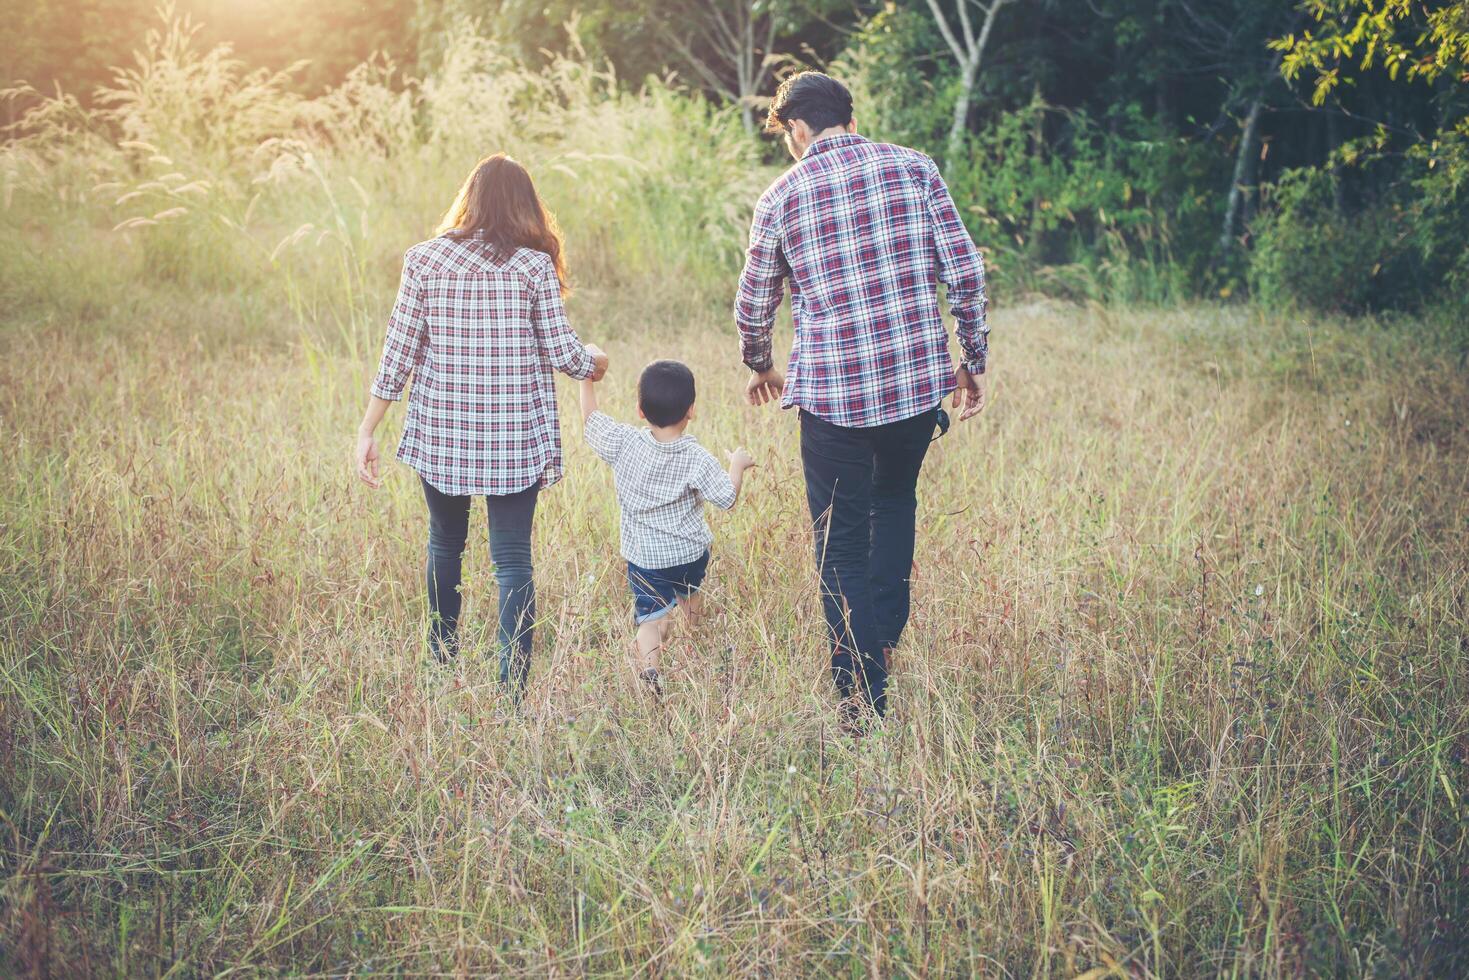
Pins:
x: 1184, y: 690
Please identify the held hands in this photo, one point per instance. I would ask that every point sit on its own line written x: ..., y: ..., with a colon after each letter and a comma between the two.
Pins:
x: 367, y: 460
x: 969, y: 394
x: 765, y: 386
x: 599, y: 362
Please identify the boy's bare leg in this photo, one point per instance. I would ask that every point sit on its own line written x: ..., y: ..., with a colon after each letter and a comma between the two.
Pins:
x: 693, y: 607
x: 650, y: 641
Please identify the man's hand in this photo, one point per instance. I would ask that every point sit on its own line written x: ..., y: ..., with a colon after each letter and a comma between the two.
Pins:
x: 367, y: 460
x: 741, y: 460
x: 968, y: 393
x: 599, y: 362
x: 765, y: 386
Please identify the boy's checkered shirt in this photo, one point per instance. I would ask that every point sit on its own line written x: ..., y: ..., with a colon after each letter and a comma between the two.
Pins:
x: 661, y: 487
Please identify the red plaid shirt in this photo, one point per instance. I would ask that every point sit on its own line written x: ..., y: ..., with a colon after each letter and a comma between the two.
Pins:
x: 863, y: 231
x: 480, y: 337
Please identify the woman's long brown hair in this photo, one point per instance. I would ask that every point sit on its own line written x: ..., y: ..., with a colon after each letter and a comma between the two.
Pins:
x: 499, y: 202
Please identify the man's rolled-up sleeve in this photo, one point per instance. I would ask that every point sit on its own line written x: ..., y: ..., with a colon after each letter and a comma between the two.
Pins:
x: 761, y: 289
x: 961, y: 268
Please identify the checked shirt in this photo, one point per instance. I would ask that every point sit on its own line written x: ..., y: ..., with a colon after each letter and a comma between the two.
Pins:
x: 481, y: 336
x: 661, y: 488
x: 862, y: 231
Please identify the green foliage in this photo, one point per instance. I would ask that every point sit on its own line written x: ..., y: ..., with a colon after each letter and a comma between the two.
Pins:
x: 1097, y: 162
x: 1404, y: 246
x: 1106, y: 212
x: 1405, y: 250
x: 897, y: 85
x: 1310, y: 255
x: 1402, y: 38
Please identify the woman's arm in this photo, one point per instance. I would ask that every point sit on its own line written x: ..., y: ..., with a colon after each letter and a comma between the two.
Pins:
x: 403, y: 352
x: 367, y: 454
x: 554, y: 334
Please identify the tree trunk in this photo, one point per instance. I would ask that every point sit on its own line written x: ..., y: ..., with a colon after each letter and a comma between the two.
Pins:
x: 967, y: 75
x: 1245, y: 165
x: 1333, y: 140
x: 1037, y: 149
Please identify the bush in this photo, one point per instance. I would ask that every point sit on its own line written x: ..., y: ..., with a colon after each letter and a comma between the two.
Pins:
x: 1308, y: 254
x: 1406, y: 250
x: 1102, y: 213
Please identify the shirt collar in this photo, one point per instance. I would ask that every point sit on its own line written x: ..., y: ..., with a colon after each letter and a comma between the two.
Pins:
x: 833, y: 143
x: 673, y: 446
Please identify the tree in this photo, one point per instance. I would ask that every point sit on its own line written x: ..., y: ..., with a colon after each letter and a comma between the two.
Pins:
x: 728, y: 44
x: 967, y: 44
x: 1398, y: 36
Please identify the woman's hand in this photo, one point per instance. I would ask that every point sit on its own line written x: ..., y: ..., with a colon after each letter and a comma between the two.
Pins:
x: 366, y: 456
x: 367, y: 459
x: 599, y: 361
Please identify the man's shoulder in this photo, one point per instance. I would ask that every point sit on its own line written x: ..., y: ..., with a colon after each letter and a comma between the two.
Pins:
x: 917, y: 162
x: 779, y: 189
x: 862, y: 154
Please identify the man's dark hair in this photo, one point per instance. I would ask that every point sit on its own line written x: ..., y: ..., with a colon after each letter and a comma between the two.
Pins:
x: 666, y: 392
x: 820, y: 100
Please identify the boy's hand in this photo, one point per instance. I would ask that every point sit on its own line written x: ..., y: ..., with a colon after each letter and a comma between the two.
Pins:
x: 599, y: 362
x: 741, y: 460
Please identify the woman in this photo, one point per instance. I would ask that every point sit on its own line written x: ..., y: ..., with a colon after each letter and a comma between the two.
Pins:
x: 480, y: 325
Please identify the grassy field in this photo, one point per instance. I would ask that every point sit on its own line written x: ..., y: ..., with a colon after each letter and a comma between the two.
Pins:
x: 1184, y: 693
x: 1185, y: 690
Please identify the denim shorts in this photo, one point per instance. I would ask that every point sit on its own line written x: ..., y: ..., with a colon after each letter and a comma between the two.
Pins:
x: 656, y: 591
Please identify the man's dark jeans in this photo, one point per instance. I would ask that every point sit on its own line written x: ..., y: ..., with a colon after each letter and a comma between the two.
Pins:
x: 510, y: 527
x: 861, y: 485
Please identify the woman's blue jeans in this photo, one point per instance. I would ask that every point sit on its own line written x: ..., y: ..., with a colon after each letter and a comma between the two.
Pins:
x: 448, y: 532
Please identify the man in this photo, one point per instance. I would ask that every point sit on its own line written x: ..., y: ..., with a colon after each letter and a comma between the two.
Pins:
x: 862, y: 231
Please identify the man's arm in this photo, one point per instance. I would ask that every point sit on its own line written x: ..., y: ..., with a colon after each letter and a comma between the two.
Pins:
x: 761, y: 289
x: 961, y: 268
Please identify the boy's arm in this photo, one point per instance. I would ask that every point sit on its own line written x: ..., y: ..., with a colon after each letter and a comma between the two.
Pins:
x: 721, y: 488
x: 739, y: 462
x: 603, y: 434
x: 588, y: 398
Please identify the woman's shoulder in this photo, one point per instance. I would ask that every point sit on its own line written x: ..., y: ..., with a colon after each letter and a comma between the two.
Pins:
x: 533, y: 259
x: 432, y: 253
x: 452, y: 252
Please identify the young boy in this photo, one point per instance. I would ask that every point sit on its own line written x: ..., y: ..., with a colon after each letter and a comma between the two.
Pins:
x: 663, y: 477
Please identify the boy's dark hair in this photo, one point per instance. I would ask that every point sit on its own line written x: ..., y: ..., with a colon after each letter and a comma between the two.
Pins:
x: 666, y: 392
x: 822, y: 101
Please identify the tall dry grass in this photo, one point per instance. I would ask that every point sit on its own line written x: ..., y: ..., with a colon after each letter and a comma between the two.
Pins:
x: 1184, y: 691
